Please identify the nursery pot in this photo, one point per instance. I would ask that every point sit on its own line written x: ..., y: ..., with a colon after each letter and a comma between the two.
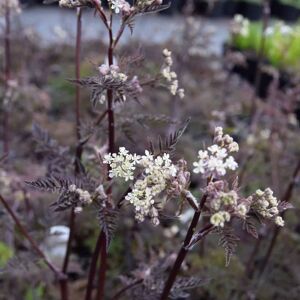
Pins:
x: 275, y: 8
x: 231, y: 8
x: 217, y: 10
x: 251, y: 11
x: 288, y: 13
x: 201, y: 7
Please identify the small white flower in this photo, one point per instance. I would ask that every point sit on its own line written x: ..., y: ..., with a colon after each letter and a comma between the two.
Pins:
x: 218, y: 219
x: 78, y: 209
x: 241, y: 210
x: 230, y: 163
x: 104, y: 69
x: 216, y: 161
x: 122, y: 164
x: 279, y: 221
x: 72, y: 188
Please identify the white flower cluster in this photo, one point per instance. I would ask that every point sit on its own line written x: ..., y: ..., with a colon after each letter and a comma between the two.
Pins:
x: 120, y: 6
x: 279, y: 28
x: 240, y: 25
x: 216, y: 160
x: 122, y: 164
x: 144, y: 3
x: 171, y: 76
x: 157, y: 173
x: 266, y: 205
x: 74, y: 3
x: 112, y: 71
x: 218, y: 219
x: 11, y: 5
x: 154, y: 180
x: 84, y: 197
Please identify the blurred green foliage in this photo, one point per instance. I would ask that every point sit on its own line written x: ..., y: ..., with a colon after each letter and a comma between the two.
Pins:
x: 6, y: 253
x: 282, y: 43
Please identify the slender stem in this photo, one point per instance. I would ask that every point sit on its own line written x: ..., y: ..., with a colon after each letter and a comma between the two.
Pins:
x: 287, y: 197
x: 64, y: 291
x: 250, y: 263
x: 182, y: 252
x: 111, y: 149
x: 101, y: 13
x: 93, y: 268
x: 100, y: 118
x: 126, y: 288
x: 119, y: 34
x: 60, y: 276
x: 79, y: 146
x: 71, y: 235
x: 7, y: 58
x: 77, y: 91
x: 102, y: 268
x: 96, y: 123
x: 249, y: 270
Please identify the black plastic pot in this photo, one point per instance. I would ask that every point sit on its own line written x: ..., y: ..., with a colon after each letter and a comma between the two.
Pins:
x: 201, y: 7
x: 251, y: 11
x: 275, y: 8
x: 231, y: 7
x: 287, y: 12
x: 249, y: 73
x: 217, y: 11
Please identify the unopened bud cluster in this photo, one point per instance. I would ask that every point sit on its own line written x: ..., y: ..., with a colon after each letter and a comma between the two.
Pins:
x: 113, y: 78
x: 170, y: 76
x: 266, y: 205
x: 216, y: 159
x: 84, y: 197
x: 112, y: 71
x: 223, y: 204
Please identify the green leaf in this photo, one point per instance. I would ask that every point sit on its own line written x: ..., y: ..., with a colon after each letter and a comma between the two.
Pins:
x: 6, y: 253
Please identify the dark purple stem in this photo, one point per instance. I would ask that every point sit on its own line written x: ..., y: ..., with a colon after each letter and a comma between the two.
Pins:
x: 7, y: 70
x: 287, y: 197
x: 60, y: 276
x: 183, y: 251
x: 79, y: 147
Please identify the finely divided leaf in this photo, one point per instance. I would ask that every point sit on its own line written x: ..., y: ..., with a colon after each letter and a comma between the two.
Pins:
x: 169, y: 144
x: 108, y: 221
x: 228, y: 240
x: 249, y: 226
x: 50, y: 184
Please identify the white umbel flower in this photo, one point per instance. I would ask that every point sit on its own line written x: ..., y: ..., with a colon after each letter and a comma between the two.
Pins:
x: 217, y: 160
x: 122, y: 164
x: 154, y: 180
x: 170, y: 76
x: 218, y: 219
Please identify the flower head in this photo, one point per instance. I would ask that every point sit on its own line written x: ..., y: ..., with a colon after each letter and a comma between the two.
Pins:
x: 170, y: 76
x: 157, y: 171
x: 216, y: 160
x: 121, y: 164
x: 267, y: 206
